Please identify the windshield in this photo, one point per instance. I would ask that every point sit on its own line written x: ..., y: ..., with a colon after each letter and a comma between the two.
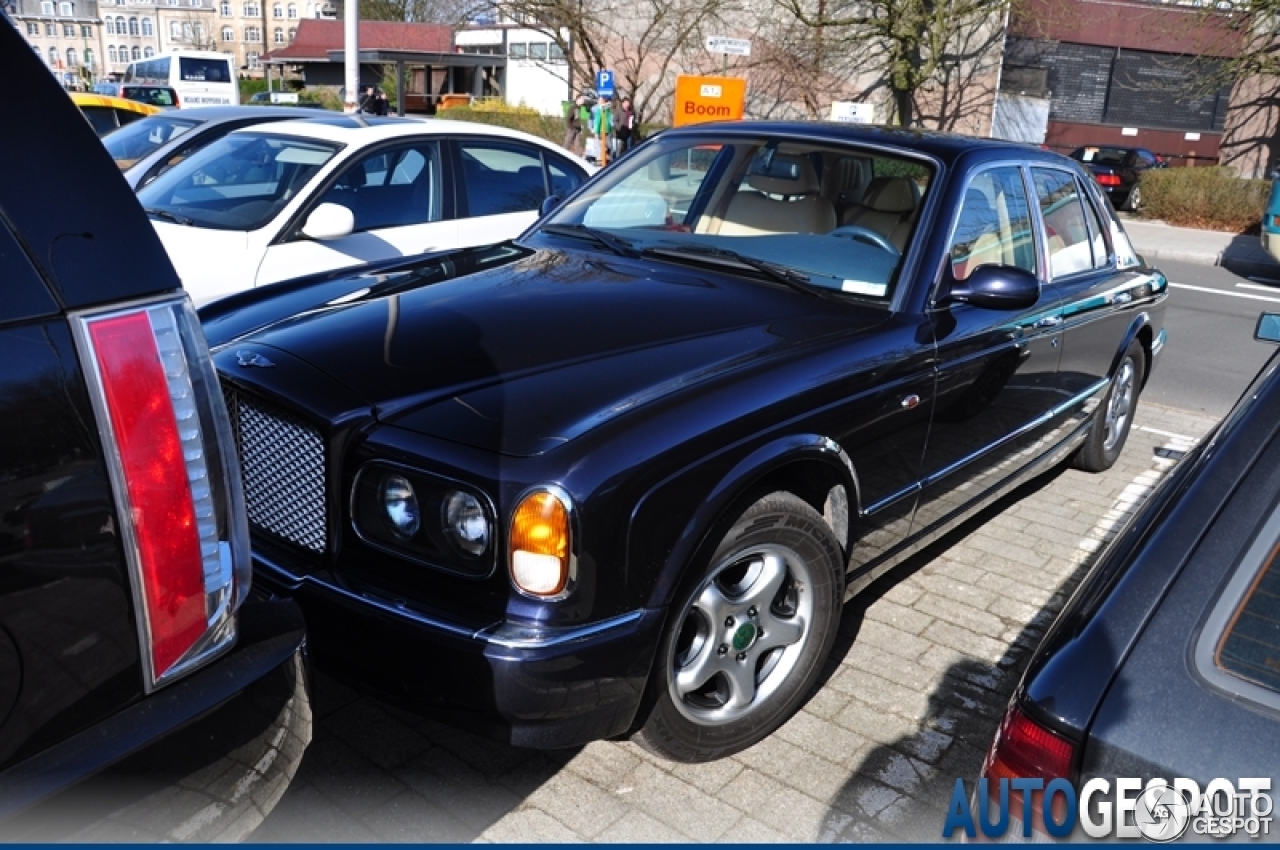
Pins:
x: 822, y: 215
x: 239, y: 182
x: 131, y: 143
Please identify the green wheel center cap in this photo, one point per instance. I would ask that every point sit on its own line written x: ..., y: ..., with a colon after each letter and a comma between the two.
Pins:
x: 744, y: 636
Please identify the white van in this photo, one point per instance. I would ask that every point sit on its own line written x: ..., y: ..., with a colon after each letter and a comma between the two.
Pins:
x: 201, y: 78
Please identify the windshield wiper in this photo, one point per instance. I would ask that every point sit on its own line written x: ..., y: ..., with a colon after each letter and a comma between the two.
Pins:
x: 176, y: 219
x: 616, y: 244
x: 785, y: 275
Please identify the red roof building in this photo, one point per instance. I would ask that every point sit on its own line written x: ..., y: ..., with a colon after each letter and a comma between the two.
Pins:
x: 317, y: 37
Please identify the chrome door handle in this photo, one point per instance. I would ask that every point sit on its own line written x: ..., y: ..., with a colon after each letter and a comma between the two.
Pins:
x: 1122, y: 298
x: 1049, y: 322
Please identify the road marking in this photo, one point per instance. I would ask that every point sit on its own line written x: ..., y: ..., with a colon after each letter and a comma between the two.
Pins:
x: 1256, y: 286
x: 1223, y: 292
x: 1133, y: 496
x: 1171, y: 435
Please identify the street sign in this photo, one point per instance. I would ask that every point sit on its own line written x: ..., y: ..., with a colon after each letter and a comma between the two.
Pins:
x: 604, y: 83
x: 731, y: 46
x: 699, y: 99
x: 854, y: 113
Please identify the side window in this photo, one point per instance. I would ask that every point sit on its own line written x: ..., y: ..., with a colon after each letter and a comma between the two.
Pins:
x: 1066, y: 232
x: 1146, y: 159
x: 102, y: 118
x: 1101, y: 257
x: 564, y: 181
x: 994, y: 225
x: 502, y: 177
x: 395, y: 187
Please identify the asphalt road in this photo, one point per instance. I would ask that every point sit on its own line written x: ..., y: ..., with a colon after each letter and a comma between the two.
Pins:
x: 1211, y: 355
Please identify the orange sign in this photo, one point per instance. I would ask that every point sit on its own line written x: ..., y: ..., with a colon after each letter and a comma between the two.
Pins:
x: 701, y: 99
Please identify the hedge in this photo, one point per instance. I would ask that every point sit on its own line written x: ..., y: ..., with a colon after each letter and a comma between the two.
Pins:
x: 1212, y: 198
x: 512, y: 117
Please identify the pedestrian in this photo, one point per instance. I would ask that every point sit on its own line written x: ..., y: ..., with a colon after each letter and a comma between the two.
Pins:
x: 368, y: 101
x: 381, y: 105
x: 573, y: 123
x: 625, y: 126
x: 601, y: 128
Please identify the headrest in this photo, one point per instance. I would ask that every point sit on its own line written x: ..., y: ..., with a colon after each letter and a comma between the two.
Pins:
x: 890, y: 194
x: 785, y: 175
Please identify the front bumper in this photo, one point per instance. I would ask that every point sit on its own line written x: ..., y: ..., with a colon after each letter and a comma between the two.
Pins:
x: 540, y: 688
x: 203, y: 759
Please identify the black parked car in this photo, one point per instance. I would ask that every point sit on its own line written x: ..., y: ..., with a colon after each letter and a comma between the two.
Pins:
x: 142, y: 696
x: 1117, y: 171
x: 621, y: 476
x: 1166, y: 660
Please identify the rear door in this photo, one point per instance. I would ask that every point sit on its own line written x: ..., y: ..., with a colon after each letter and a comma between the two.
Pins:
x: 501, y: 185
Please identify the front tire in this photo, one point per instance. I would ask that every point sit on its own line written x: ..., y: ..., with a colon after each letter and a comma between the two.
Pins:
x: 747, y: 641
x: 1134, y: 202
x: 1114, y: 416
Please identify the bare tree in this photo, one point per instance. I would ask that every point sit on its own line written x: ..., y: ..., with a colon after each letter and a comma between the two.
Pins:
x: 908, y: 46
x: 453, y: 13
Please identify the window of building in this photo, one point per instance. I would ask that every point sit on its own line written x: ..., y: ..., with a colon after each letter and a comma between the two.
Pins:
x: 66, y: 9
x: 73, y: 58
x: 109, y: 25
x: 252, y: 10
x: 111, y: 55
x: 277, y: 36
x: 277, y: 11
x: 253, y: 35
x: 51, y: 30
x: 225, y: 10
x: 252, y: 60
x: 293, y: 11
x: 54, y: 62
x: 68, y: 30
x: 555, y: 53
x: 86, y: 31
x: 293, y: 33
x: 133, y: 26
x: 33, y: 28
x: 90, y: 61
x: 228, y: 34
x: 538, y: 51
x: 175, y: 29
x: 46, y: 8
x: 146, y: 54
x: 135, y: 53
x: 147, y: 29
x: 518, y: 50
x: 188, y: 32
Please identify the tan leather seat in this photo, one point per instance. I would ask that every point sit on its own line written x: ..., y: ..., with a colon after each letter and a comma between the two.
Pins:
x: 753, y: 212
x: 887, y: 208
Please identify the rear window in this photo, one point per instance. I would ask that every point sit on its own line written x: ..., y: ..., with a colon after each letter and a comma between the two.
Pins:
x: 192, y: 70
x: 1239, y: 647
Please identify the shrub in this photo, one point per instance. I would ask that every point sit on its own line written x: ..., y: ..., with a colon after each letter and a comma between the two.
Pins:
x: 1212, y: 198
x: 512, y: 117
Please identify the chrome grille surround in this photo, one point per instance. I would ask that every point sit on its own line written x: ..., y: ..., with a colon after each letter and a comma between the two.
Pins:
x: 282, y: 462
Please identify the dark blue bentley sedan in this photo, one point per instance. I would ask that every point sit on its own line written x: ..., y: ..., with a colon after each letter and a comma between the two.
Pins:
x: 619, y: 476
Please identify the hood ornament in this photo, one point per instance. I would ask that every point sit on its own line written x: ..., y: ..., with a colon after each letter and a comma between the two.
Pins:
x: 253, y: 358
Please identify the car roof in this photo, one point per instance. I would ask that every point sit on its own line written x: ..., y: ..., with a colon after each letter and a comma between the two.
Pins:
x: 944, y: 146
x: 347, y: 129
x: 206, y: 114
x: 83, y: 98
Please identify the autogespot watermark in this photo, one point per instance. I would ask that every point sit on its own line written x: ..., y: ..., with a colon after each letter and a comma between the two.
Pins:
x: 1122, y: 808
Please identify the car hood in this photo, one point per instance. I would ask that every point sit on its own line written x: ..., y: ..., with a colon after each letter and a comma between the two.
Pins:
x: 211, y: 263
x: 526, y: 357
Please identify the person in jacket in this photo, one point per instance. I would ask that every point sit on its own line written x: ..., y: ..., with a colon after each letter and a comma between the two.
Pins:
x: 624, y: 127
x: 573, y: 124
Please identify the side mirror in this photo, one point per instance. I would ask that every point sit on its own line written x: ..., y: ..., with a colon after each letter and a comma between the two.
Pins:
x: 1268, y: 329
x: 549, y: 203
x: 996, y: 288
x: 329, y: 221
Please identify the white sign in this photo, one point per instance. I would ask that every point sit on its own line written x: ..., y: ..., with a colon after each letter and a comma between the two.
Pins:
x: 1128, y: 131
x: 711, y: 91
x: 284, y: 97
x: 854, y: 113
x: 734, y: 46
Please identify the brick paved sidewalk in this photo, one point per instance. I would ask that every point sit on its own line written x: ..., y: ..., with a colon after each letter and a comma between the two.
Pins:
x: 925, y: 662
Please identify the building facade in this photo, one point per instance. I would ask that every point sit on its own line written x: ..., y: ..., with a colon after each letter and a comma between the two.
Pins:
x: 67, y: 34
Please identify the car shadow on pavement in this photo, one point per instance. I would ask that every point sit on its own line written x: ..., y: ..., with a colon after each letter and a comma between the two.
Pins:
x: 900, y: 790
x: 378, y: 773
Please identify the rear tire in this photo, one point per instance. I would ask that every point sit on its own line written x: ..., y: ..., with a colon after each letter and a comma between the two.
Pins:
x: 746, y: 642
x: 1114, y: 415
x: 1134, y: 202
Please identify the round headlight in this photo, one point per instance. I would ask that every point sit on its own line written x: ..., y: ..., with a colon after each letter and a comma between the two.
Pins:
x: 465, y: 523
x: 400, y: 506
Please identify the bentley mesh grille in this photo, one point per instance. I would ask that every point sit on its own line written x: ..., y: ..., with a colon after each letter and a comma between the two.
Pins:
x: 282, y: 463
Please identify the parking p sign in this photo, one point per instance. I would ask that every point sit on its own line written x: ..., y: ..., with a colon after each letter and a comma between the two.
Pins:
x: 604, y: 83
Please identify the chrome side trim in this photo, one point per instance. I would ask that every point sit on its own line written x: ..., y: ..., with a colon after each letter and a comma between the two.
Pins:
x: 501, y: 634
x: 1075, y: 400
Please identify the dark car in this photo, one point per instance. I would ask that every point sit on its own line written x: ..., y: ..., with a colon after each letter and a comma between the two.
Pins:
x: 621, y: 477
x: 165, y: 97
x: 1165, y: 663
x: 135, y: 672
x: 1117, y: 171
x: 146, y: 148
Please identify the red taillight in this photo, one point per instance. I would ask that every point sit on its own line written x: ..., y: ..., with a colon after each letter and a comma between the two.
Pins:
x: 1023, y: 749
x: 1108, y: 180
x: 168, y: 447
x: 155, y: 475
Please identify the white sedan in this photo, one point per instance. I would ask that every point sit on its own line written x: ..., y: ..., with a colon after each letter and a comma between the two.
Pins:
x: 279, y: 201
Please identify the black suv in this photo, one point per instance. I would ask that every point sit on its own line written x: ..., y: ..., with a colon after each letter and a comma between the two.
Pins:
x: 131, y: 659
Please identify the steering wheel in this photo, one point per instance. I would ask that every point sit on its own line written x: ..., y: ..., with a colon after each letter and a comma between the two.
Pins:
x: 866, y: 234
